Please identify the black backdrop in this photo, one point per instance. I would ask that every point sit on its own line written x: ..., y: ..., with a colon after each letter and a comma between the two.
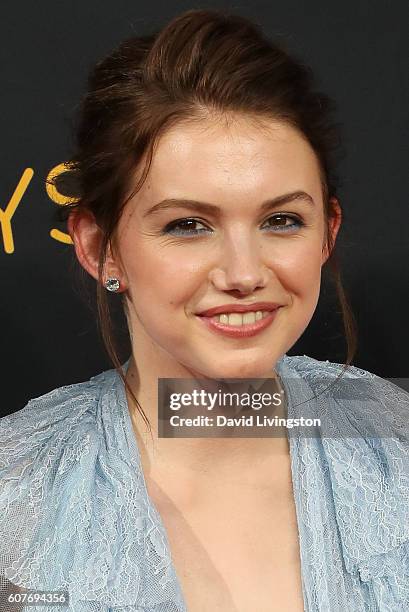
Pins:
x: 359, y: 52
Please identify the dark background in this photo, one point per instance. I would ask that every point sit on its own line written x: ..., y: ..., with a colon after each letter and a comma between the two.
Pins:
x: 359, y: 53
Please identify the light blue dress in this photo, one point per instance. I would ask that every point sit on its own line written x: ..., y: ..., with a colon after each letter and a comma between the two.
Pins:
x: 75, y: 514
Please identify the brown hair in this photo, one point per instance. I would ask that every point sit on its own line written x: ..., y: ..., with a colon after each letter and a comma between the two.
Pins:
x: 202, y: 63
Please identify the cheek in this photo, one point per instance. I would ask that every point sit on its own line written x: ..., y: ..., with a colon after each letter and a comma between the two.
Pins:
x: 300, y: 270
x: 168, y: 280
x: 300, y: 275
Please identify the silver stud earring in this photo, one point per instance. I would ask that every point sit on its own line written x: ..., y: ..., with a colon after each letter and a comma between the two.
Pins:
x: 112, y: 284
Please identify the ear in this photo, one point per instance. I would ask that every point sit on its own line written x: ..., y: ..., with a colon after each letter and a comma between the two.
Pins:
x: 334, y: 223
x: 87, y: 238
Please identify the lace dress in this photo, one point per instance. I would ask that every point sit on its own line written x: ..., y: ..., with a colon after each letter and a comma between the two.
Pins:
x: 75, y: 515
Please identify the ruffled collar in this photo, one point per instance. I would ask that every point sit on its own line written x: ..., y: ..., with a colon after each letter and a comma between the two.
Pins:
x: 134, y: 548
x: 90, y: 529
x: 364, y: 444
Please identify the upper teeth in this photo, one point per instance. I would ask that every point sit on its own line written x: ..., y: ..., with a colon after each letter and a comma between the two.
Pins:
x: 237, y: 318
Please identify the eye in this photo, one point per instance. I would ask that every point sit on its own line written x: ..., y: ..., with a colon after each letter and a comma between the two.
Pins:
x: 187, y: 227
x: 281, y: 225
x: 194, y: 227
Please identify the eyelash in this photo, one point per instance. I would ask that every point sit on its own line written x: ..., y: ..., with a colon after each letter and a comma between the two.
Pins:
x: 298, y: 223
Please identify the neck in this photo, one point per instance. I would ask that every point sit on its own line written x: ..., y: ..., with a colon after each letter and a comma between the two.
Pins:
x: 210, y: 456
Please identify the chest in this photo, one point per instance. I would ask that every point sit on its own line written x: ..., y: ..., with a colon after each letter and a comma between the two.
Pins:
x: 236, y: 551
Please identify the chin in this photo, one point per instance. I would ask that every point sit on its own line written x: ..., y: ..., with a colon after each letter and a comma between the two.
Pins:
x: 241, y: 370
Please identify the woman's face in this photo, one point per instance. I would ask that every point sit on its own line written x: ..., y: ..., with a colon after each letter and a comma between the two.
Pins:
x: 178, y: 261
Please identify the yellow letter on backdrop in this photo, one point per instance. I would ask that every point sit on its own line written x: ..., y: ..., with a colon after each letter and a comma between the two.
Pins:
x: 7, y: 215
x: 59, y: 199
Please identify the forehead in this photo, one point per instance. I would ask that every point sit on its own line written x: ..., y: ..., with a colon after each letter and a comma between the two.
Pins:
x: 240, y: 157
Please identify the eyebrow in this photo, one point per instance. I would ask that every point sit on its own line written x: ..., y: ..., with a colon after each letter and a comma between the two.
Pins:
x: 212, y: 209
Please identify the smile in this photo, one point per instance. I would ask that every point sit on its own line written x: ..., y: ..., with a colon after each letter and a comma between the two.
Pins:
x: 239, y: 325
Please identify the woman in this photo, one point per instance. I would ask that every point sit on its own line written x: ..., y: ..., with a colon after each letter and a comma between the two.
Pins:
x: 207, y: 190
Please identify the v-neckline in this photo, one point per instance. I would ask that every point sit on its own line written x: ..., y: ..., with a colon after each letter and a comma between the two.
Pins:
x: 283, y: 370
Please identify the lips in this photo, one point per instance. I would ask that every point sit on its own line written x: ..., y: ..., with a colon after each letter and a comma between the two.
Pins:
x: 238, y: 331
x: 228, y: 308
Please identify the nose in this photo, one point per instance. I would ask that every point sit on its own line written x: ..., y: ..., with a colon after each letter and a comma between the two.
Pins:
x: 241, y: 267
